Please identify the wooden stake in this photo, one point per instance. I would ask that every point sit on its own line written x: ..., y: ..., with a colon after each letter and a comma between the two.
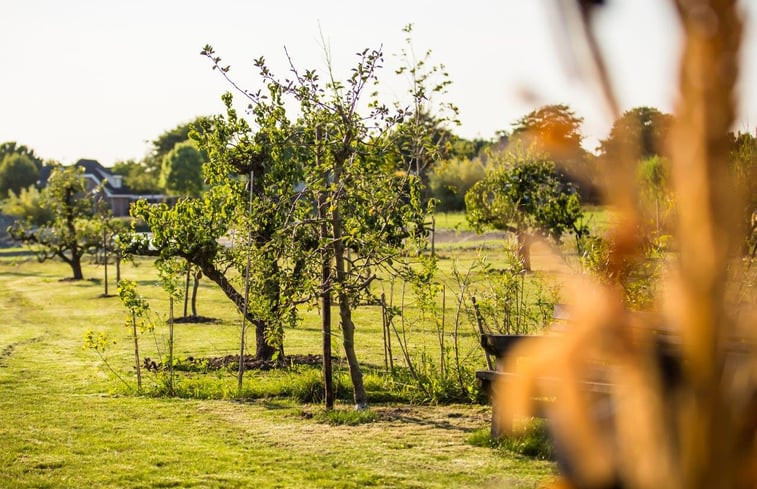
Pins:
x: 240, y: 376
x: 170, y: 346
x: 136, y: 351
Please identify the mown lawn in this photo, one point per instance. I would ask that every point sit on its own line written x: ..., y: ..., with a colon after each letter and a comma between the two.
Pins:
x: 67, y: 422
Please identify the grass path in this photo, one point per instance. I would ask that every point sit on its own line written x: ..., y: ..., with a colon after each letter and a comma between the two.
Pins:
x: 60, y: 427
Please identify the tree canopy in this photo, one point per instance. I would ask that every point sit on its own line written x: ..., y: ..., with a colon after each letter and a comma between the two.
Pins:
x: 11, y: 147
x: 17, y: 171
x: 181, y: 171
x: 449, y: 181
x: 165, y: 142
x: 640, y: 132
x: 73, y: 231
x: 241, y: 162
x: 28, y: 206
x: 348, y: 193
x: 527, y: 196
x: 137, y: 177
x: 554, y: 130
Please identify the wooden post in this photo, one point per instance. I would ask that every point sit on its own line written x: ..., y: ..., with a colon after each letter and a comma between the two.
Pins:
x: 328, y: 376
x: 442, y: 366
x: 240, y: 375
x: 433, y: 235
x: 388, y: 331
x: 480, y: 323
x: 328, y: 381
x: 170, y: 346
x: 105, y: 257
x: 384, y: 330
x: 136, y: 351
x: 186, y: 288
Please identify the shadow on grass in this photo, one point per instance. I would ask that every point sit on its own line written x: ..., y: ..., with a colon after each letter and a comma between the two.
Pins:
x: 20, y: 274
x: 275, y: 404
x: 407, y: 415
x: 13, y: 253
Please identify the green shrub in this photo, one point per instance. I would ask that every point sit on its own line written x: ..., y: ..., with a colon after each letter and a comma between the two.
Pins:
x: 305, y: 385
x: 27, y: 205
x: 17, y: 172
x: 450, y: 180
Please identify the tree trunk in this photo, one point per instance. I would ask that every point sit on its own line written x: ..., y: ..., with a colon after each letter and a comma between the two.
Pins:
x: 328, y: 380
x: 195, y: 286
x: 524, y: 249
x: 105, y: 261
x: 348, y: 333
x: 76, y: 266
x: 74, y: 245
x: 328, y: 377
x: 345, y: 315
x: 186, y: 288
x: 263, y: 351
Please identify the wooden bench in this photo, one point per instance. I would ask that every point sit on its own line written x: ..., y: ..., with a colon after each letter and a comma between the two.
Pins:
x: 497, y: 346
x: 667, y: 353
x: 500, y: 346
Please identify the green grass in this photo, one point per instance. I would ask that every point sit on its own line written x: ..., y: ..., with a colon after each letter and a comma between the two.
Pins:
x: 455, y: 221
x: 532, y: 441
x: 67, y: 422
x: 599, y: 218
x: 349, y: 417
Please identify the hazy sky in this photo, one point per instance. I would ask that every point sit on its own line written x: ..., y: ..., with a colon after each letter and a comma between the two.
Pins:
x: 98, y: 79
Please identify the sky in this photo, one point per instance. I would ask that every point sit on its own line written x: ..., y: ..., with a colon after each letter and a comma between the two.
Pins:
x: 100, y: 79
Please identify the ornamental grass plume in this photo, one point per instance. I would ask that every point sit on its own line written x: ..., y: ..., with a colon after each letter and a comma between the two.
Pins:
x: 662, y: 399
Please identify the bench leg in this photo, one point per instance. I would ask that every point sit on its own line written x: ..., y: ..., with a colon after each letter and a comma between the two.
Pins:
x: 496, y: 430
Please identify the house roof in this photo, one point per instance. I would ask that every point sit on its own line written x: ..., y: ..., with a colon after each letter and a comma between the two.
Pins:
x: 104, y: 176
x: 93, y: 169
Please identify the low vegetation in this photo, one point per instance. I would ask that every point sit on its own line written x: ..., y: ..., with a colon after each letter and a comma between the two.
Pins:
x: 532, y: 440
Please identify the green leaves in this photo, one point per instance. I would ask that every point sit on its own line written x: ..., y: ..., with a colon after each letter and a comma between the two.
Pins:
x: 70, y: 229
x: 135, y: 303
x: 17, y: 171
x: 524, y: 194
x: 97, y: 341
x: 181, y: 171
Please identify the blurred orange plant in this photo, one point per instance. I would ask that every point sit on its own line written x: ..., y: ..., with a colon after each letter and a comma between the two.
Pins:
x: 681, y: 407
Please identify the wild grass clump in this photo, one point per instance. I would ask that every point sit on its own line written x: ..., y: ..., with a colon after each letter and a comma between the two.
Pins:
x: 427, y: 385
x: 532, y: 441
x: 304, y: 385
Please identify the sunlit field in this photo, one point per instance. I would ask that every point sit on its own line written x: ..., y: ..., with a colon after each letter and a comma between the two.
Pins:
x: 69, y: 422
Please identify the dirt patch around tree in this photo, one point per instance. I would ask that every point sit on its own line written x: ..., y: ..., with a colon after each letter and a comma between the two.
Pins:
x: 231, y: 362
x: 195, y: 320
